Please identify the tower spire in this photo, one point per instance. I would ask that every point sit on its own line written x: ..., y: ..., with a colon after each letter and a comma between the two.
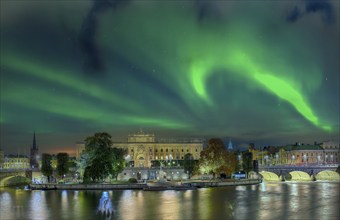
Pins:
x: 34, y: 142
x: 230, y: 145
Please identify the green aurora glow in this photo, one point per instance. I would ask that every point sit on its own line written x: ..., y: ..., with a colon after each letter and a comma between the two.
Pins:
x: 246, y: 74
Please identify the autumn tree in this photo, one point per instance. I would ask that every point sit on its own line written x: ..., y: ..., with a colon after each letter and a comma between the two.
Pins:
x: 215, y: 159
x: 46, y: 166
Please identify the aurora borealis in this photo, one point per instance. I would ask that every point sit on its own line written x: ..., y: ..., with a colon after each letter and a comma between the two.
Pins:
x: 254, y: 71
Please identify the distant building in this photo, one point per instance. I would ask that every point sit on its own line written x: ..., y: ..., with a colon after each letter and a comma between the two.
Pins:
x: 144, y: 150
x: 299, y: 154
x: 34, y: 154
x: 16, y: 162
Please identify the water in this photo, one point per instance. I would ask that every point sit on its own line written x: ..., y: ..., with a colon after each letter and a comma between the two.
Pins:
x: 300, y: 200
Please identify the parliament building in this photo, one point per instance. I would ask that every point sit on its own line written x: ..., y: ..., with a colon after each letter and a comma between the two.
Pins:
x: 144, y: 150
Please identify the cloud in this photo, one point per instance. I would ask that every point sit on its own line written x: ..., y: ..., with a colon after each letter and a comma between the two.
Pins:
x: 323, y: 7
x: 87, y: 37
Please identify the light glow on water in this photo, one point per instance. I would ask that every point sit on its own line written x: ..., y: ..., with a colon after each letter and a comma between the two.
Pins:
x: 283, y: 200
x: 38, y: 207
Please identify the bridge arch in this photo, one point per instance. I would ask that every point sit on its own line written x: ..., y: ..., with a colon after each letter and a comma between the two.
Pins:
x: 300, y: 176
x: 327, y: 175
x: 269, y: 176
x: 14, y: 180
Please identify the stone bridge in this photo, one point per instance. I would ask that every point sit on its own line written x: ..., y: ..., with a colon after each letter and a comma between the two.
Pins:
x: 294, y: 173
x: 15, y: 176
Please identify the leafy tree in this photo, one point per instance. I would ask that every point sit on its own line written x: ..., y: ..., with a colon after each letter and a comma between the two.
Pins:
x: 46, y: 167
x: 99, y: 160
x: 118, y: 162
x: 247, y: 158
x: 62, y: 164
x: 215, y: 159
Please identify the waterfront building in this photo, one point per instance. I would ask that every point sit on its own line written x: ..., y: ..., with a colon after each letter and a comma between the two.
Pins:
x: 16, y: 162
x: 34, y: 154
x: 299, y: 154
x: 144, y: 150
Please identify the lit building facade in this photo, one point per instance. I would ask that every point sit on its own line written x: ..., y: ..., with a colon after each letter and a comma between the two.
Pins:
x: 16, y: 162
x: 144, y: 150
x: 300, y: 154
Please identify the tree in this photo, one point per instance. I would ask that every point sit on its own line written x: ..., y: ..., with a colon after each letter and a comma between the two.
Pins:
x: 99, y: 160
x: 247, y: 158
x: 118, y: 162
x: 62, y: 164
x: 46, y: 167
x: 215, y: 159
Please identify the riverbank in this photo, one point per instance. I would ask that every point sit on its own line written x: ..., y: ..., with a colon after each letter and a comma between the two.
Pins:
x: 193, y: 183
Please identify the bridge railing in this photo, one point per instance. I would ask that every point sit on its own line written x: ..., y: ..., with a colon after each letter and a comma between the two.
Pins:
x: 298, y: 166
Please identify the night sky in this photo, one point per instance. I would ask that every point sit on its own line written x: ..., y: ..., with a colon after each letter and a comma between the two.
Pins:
x: 265, y: 72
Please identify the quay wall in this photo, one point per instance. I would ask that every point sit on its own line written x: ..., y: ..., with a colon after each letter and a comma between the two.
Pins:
x: 199, y: 184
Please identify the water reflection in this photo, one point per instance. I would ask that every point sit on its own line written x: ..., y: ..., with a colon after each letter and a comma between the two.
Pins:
x: 105, y: 205
x: 313, y: 200
x: 37, y: 205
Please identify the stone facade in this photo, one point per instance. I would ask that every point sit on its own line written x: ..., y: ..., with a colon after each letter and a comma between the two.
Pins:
x: 16, y: 162
x: 144, y: 150
x: 300, y: 154
x: 140, y: 174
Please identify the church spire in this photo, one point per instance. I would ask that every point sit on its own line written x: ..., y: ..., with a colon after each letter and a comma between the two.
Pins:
x: 34, y: 146
x: 230, y: 145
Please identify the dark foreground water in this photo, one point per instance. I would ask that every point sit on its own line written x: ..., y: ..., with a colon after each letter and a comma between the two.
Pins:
x: 301, y: 200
